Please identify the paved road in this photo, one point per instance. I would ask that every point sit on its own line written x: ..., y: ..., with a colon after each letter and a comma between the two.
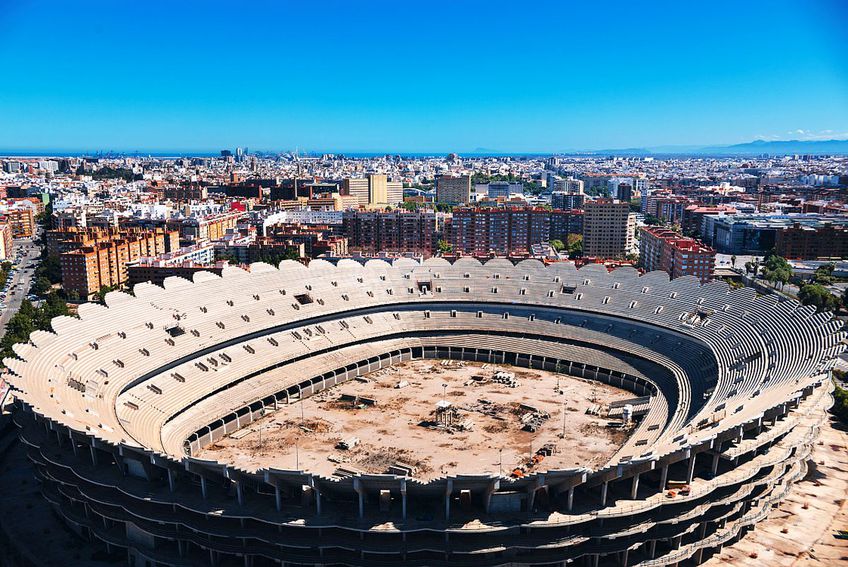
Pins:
x: 21, y: 278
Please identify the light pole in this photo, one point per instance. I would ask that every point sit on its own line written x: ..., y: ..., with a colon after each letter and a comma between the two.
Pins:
x: 562, y: 436
x: 500, y: 462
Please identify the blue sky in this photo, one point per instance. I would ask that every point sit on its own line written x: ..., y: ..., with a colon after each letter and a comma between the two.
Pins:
x: 419, y: 76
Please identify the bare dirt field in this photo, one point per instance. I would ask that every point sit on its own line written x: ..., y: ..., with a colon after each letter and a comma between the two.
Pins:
x: 481, y: 427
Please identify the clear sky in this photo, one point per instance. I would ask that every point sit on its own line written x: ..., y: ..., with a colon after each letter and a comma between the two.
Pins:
x: 407, y: 76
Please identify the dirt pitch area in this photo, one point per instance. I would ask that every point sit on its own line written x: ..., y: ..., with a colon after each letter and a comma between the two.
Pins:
x: 392, y: 418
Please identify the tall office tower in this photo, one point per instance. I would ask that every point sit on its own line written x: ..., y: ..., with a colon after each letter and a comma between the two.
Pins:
x: 453, y: 189
x: 357, y: 187
x: 608, y: 228
x: 374, y: 191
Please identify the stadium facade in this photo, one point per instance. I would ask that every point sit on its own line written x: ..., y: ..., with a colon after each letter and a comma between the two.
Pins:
x: 116, y: 403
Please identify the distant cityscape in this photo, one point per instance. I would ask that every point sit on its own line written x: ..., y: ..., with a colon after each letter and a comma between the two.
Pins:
x: 112, y: 222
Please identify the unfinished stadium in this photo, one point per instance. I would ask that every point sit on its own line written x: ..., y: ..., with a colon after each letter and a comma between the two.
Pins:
x: 123, y: 408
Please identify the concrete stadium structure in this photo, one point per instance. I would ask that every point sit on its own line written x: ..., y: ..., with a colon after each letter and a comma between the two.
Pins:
x: 115, y: 403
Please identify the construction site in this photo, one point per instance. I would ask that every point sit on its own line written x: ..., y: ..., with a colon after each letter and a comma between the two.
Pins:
x: 431, y: 418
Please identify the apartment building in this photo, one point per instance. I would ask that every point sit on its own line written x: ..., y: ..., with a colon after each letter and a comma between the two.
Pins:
x: 567, y: 200
x: 21, y: 218
x: 189, y: 192
x: 608, y: 228
x: 663, y: 249
x: 396, y: 231
x: 183, y: 263
x: 5, y: 241
x: 89, y: 267
x: 73, y: 238
x: 509, y: 231
x: 810, y: 242
x: 200, y: 230
x: 453, y: 189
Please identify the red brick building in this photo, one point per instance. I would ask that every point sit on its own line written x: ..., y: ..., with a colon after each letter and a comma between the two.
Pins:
x: 663, y: 249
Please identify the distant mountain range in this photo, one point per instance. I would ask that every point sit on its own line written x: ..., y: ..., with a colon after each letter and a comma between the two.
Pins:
x: 757, y: 147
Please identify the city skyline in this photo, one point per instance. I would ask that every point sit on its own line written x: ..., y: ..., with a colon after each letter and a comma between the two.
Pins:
x: 475, y: 78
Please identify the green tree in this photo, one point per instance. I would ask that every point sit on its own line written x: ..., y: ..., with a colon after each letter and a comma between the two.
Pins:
x: 776, y: 270
x: 444, y: 247
x: 575, y: 245
x: 41, y: 285
x: 818, y: 296
x: 824, y: 274
x: 651, y: 220
x: 557, y: 245
x: 291, y: 254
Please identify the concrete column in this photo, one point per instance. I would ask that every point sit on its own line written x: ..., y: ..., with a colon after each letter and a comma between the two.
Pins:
x: 625, y: 557
x: 716, y: 459
x: 653, y: 548
x: 180, y: 549
x: 570, y: 498
x: 448, y: 492
x: 93, y: 452
x: 403, y: 497
x: 487, y: 497
x: 240, y: 493
x: 596, y: 559
x: 278, y: 498
x: 203, y: 486
x: 691, y: 472
x: 317, y: 500
x: 604, y: 493
x: 663, y: 478
x: 170, y: 480
x: 357, y: 486
x: 531, y: 498
x: 634, y: 489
